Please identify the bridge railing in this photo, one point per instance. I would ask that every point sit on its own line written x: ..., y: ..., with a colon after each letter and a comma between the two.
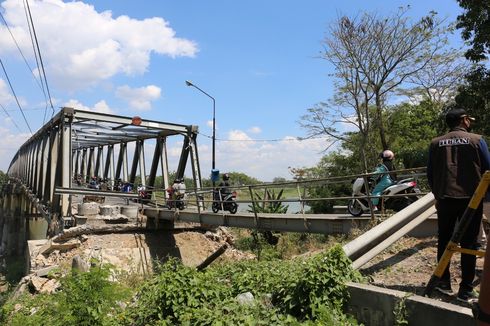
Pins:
x: 303, y: 194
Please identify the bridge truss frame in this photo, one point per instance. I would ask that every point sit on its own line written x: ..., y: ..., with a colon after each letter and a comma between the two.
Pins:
x: 83, y: 143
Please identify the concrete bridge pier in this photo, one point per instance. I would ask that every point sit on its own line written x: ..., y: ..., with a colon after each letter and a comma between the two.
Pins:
x: 13, y: 225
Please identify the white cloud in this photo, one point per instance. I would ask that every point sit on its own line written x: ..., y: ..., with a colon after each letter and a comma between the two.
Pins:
x: 255, y: 130
x: 11, y: 142
x: 5, y: 97
x: 81, y: 46
x: 237, y: 135
x: 261, y: 159
x: 100, y: 106
x: 139, y: 98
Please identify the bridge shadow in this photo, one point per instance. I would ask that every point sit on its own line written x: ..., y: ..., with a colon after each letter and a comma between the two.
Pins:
x: 398, y: 257
x: 419, y: 288
x: 161, y: 246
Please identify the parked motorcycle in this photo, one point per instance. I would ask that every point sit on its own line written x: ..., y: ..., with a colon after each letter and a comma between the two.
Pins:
x: 227, y: 203
x: 358, y: 206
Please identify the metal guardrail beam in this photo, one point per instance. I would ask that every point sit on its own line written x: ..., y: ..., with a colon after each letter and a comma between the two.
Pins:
x: 88, y: 192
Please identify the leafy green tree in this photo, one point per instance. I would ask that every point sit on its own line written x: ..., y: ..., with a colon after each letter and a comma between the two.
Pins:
x: 475, y: 97
x: 4, y: 178
x: 241, y: 179
x: 475, y: 25
x: 279, y: 180
x: 475, y: 94
x: 412, y: 128
x: 330, y: 165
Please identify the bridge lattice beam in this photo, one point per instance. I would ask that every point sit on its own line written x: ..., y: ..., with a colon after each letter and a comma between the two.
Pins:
x: 77, y: 143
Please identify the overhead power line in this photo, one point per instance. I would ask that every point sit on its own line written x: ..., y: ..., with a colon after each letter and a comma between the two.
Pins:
x: 37, y: 53
x: 15, y: 95
x: 263, y: 140
x: 8, y: 115
x: 41, y: 86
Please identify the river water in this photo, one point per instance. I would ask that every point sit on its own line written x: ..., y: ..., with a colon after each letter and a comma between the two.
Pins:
x: 293, y: 207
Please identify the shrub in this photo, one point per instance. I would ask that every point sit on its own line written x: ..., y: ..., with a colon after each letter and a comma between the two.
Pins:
x: 285, y: 292
x: 84, y: 299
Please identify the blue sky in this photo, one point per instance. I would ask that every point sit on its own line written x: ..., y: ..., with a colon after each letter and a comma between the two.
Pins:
x: 258, y: 59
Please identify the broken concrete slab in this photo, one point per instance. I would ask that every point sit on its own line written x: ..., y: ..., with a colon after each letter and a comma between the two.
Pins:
x: 43, y: 272
x: 61, y: 246
x: 36, y: 283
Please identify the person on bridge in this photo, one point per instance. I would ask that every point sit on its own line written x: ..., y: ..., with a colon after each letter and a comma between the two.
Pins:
x: 224, y: 186
x: 384, y: 176
x: 457, y: 161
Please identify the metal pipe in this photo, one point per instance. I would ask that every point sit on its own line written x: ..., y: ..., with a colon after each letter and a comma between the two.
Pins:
x: 380, y: 232
x: 73, y: 191
x: 394, y: 237
x: 221, y: 250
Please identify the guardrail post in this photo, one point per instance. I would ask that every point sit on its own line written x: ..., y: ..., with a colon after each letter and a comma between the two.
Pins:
x: 256, y: 217
x: 368, y: 193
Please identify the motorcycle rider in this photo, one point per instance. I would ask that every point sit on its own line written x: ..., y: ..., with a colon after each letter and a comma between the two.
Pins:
x: 180, y: 188
x: 385, y: 176
x: 224, y: 186
x: 176, y: 192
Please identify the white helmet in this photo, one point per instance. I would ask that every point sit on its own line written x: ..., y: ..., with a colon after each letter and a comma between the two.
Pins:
x: 387, y: 154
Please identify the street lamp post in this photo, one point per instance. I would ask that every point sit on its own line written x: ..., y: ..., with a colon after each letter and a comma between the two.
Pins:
x: 213, y: 162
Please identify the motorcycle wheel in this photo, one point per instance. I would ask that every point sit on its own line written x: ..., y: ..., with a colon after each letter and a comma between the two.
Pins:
x: 397, y: 204
x: 233, y: 208
x: 180, y: 205
x: 215, y: 207
x: 401, y: 203
x: 354, y: 208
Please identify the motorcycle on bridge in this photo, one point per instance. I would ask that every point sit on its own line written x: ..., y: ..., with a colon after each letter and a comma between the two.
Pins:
x: 224, y: 201
x: 177, y: 196
x: 360, y: 204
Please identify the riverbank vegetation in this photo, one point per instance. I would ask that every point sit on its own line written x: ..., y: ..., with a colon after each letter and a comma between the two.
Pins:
x: 307, y: 291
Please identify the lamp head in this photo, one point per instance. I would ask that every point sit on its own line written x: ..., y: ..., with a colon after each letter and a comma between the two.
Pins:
x: 188, y: 83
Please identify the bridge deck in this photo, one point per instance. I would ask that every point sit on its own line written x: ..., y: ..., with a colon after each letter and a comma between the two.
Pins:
x: 311, y: 223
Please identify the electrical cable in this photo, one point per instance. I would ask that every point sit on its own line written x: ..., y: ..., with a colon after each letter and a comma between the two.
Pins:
x: 40, y: 57
x: 25, y: 109
x: 15, y: 95
x: 35, y: 55
x: 23, y: 57
x: 262, y: 140
x: 8, y: 115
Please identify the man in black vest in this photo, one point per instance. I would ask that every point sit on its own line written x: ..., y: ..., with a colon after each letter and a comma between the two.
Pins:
x: 457, y: 161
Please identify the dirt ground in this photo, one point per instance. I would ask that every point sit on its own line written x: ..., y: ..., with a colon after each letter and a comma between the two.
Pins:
x: 408, y: 264
x: 138, y: 251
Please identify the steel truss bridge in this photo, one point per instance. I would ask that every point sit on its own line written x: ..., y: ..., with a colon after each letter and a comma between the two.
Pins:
x: 75, y: 146
x: 89, y: 144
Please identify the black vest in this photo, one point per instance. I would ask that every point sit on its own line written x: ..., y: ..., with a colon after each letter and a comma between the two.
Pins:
x: 456, y: 164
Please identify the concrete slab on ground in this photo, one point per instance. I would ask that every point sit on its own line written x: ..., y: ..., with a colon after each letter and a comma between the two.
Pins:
x: 376, y: 306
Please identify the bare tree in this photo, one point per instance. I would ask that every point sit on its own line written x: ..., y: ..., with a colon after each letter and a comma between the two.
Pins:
x: 373, y: 57
x: 349, y: 106
x: 438, y: 82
